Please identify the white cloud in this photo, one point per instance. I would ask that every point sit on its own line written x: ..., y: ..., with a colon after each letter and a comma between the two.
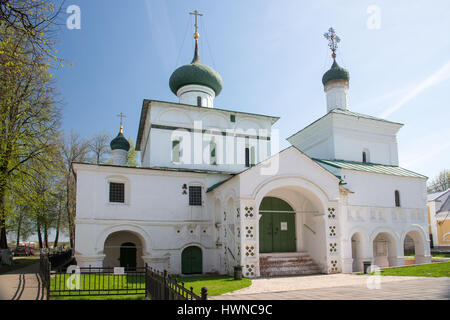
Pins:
x: 439, y: 76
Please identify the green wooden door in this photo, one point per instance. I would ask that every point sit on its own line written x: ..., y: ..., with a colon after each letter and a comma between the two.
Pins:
x: 128, y: 255
x: 276, y: 226
x: 266, y: 233
x: 283, y: 232
x: 191, y: 260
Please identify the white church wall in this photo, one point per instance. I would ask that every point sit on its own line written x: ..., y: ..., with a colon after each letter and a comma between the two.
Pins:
x: 188, y: 121
x: 316, y: 140
x: 370, y: 211
x: 381, y: 192
x: 345, y: 137
x: 155, y: 208
x: 353, y: 135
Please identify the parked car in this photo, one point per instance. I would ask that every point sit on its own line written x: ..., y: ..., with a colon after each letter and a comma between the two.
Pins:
x: 22, y: 251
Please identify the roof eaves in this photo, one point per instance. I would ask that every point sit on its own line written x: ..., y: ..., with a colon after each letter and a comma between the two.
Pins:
x: 144, y: 111
x: 274, y: 119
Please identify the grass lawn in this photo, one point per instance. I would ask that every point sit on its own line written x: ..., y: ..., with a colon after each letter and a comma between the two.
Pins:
x: 216, y: 285
x: 441, y: 255
x: 19, y: 263
x: 428, y: 270
x: 97, y: 285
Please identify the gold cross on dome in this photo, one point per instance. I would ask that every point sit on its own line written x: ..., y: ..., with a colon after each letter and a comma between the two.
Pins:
x: 333, y: 41
x: 196, y: 14
x: 121, y: 115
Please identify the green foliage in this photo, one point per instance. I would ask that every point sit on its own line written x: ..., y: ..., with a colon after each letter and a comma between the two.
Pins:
x: 441, y: 182
x: 29, y: 113
x: 132, y: 155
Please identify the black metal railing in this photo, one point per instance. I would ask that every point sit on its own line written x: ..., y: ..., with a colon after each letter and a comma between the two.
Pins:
x: 162, y: 287
x: 95, y: 281
x: 44, y: 273
x: 104, y: 281
x: 59, y: 260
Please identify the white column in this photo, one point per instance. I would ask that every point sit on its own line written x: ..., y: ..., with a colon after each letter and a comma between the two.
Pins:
x: 119, y: 157
x: 189, y: 94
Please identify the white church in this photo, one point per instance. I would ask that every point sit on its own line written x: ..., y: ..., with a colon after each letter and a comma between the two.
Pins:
x: 210, y: 195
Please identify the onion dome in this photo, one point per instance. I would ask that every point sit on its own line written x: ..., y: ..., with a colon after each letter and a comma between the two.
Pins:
x: 196, y: 73
x: 336, y: 72
x: 120, y: 142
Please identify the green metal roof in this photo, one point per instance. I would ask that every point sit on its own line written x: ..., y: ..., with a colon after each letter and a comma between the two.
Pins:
x: 370, y: 167
x: 120, y: 142
x: 196, y: 73
x: 336, y: 72
x: 217, y: 185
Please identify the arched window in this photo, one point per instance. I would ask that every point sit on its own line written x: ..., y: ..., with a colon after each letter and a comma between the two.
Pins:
x: 212, y: 149
x: 397, y: 198
x: 252, y: 156
x: 247, y: 157
x: 176, y: 150
x: 365, y: 155
x: 199, y: 101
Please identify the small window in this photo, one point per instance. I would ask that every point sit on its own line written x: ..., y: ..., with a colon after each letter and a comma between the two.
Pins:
x: 195, y: 195
x: 232, y: 118
x: 116, y: 192
x: 252, y: 156
x: 397, y: 198
x: 364, y: 157
x: 176, y: 150
x: 199, y: 101
x: 247, y: 157
x: 212, y: 149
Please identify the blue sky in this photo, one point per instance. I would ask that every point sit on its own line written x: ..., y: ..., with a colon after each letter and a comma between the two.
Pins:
x: 271, y: 56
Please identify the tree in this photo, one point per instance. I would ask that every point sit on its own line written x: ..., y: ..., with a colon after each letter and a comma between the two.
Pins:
x: 441, y: 182
x: 132, y: 155
x: 73, y: 149
x: 34, y: 22
x: 99, y: 146
x: 29, y: 114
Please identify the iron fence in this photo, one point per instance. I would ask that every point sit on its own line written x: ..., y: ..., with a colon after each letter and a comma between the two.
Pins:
x: 104, y: 281
x: 162, y: 287
x: 94, y: 281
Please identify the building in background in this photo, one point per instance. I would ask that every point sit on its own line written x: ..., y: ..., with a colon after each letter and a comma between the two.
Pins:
x: 439, y: 218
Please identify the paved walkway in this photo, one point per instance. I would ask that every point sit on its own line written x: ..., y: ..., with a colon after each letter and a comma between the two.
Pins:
x: 343, y: 287
x: 21, y: 284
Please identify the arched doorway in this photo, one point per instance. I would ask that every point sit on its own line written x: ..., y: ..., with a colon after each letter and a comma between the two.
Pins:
x: 123, y: 249
x: 414, y: 245
x: 276, y: 226
x: 384, y: 250
x: 128, y: 255
x: 191, y: 260
x: 357, y: 252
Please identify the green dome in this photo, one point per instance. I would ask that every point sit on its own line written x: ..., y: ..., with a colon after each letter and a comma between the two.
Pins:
x: 335, y: 73
x: 120, y: 142
x: 196, y: 73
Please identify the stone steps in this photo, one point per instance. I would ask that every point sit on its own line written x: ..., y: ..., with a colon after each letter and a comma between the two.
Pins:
x: 286, y: 264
